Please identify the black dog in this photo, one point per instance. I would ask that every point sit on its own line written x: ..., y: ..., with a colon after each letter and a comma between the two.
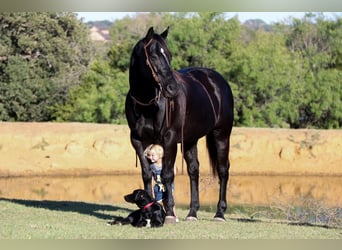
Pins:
x: 150, y: 213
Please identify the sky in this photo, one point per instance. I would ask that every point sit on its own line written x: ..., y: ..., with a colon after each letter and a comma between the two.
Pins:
x: 268, y: 17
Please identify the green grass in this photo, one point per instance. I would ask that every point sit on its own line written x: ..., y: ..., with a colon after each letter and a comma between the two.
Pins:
x: 22, y: 219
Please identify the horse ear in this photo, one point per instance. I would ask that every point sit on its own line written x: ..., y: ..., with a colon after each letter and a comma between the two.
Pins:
x: 149, y: 34
x: 165, y: 33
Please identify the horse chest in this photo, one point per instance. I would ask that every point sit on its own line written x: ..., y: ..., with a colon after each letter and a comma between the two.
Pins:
x: 146, y: 128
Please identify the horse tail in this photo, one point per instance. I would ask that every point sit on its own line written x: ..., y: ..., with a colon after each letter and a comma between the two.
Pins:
x: 212, y: 151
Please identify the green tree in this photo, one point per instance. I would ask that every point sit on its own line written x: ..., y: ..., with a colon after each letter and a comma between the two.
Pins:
x: 42, y: 55
x: 203, y: 39
x: 318, y: 43
x: 100, y: 97
x: 264, y: 73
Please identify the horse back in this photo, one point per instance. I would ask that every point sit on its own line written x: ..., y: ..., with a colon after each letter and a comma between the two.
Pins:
x: 208, y: 94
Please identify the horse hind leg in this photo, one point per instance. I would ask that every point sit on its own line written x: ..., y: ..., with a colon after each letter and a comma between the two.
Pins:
x: 191, y: 158
x: 218, y: 149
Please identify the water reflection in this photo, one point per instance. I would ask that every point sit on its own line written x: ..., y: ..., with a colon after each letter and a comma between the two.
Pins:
x: 246, y: 190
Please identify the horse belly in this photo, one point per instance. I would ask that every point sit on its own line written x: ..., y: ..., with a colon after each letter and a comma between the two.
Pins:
x: 200, y: 119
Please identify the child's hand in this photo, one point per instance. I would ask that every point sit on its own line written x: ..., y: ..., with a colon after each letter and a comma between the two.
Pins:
x: 161, y: 187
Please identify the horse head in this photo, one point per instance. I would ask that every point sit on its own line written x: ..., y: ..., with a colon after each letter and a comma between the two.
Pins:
x: 157, y: 58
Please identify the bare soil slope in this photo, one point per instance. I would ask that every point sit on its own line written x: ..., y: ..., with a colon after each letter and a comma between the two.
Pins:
x: 82, y: 149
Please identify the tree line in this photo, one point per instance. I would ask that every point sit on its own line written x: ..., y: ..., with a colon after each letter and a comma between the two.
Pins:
x: 287, y: 74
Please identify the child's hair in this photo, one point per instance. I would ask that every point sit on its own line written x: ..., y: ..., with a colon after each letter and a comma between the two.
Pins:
x: 156, y: 147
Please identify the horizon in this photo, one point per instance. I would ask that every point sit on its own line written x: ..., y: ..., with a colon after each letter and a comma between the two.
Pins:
x: 267, y: 17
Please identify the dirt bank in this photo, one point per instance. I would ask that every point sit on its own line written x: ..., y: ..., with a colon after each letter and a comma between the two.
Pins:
x: 81, y: 149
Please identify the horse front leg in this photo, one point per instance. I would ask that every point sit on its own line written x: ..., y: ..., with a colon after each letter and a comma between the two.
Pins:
x: 146, y: 172
x: 146, y: 177
x: 191, y: 158
x: 168, y: 174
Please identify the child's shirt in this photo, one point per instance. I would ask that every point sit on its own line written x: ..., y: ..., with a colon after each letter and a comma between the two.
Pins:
x: 156, y: 171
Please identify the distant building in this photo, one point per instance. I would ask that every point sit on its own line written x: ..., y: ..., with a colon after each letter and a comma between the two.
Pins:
x: 101, y: 35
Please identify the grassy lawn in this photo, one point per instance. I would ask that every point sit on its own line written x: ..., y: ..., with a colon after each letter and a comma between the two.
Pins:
x: 23, y: 219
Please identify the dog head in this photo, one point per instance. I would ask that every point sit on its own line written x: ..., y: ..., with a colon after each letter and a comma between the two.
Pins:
x: 139, y: 197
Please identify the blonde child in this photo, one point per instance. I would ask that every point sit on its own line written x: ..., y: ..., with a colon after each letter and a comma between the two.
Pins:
x: 155, y: 153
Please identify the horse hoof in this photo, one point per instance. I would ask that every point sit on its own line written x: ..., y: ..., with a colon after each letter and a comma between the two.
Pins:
x: 170, y: 219
x: 191, y: 218
x: 219, y: 219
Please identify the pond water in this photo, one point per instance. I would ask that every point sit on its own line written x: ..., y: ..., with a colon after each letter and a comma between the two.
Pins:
x: 242, y: 190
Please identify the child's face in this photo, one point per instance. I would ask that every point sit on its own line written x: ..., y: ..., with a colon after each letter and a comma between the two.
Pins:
x: 153, y: 156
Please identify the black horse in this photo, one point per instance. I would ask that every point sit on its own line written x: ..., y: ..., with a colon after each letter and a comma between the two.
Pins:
x: 169, y: 107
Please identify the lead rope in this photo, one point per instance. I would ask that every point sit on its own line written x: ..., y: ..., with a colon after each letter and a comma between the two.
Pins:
x: 136, y: 160
x: 169, y: 107
x: 183, y: 110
